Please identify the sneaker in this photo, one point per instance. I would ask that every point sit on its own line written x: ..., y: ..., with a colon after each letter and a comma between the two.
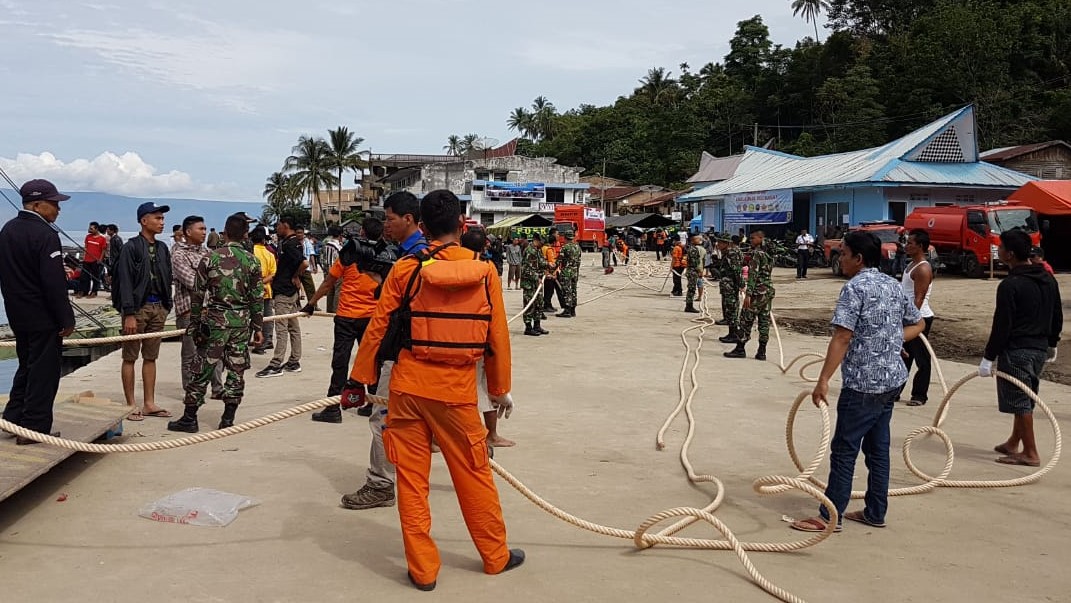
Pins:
x: 369, y: 497
x: 270, y: 371
x: 292, y: 367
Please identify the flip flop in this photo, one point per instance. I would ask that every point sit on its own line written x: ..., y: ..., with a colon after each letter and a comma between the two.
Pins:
x: 860, y: 516
x: 916, y: 403
x: 1003, y: 449
x: 161, y: 413
x: 1017, y: 460
x: 813, y: 524
x: 135, y: 416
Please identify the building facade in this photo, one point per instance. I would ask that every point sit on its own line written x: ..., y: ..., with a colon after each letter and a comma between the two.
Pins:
x: 1046, y: 160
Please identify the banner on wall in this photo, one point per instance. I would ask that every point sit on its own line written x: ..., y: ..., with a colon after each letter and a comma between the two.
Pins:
x: 766, y: 207
x: 710, y: 215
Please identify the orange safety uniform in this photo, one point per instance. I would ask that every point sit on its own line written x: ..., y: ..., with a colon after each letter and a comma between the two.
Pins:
x: 433, y: 398
x: 551, y: 254
x: 356, y: 297
x: 679, y: 261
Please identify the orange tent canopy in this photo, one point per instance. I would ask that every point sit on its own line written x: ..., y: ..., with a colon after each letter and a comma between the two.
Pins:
x: 1048, y: 197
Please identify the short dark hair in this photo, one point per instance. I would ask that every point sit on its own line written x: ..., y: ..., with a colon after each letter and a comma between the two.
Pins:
x: 866, y: 244
x: 300, y: 227
x: 402, y: 203
x: 736, y: 239
x: 257, y: 235
x: 235, y: 228
x: 334, y: 231
x: 439, y: 212
x: 373, y: 228
x: 922, y: 238
x: 189, y: 221
x: 178, y: 227
x: 474, y: 239
x: 289, y: 221
x: 95, y: 225
x: 1017, y: 242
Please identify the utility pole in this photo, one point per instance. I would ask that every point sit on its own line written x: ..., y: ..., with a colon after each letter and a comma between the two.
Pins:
x: 602, y: 194
x: 755, y: 138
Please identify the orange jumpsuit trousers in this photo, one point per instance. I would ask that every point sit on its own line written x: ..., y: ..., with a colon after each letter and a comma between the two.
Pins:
x: 459, y: 431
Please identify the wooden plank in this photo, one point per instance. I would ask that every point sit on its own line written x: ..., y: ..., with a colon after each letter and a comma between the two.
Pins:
x: 84, y: 422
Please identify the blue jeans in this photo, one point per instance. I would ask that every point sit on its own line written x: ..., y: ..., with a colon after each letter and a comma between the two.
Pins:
x: 862, y: 422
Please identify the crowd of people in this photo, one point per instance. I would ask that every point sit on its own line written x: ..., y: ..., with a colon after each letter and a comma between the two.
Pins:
x: 420, y: 295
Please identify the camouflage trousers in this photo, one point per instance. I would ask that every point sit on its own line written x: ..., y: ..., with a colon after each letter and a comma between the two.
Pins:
x: 568, y: 285
x: 229, y: 346
x: 730, y: 302
x: 693, y: 281
x: 760, y: 308
x: 532, y: 313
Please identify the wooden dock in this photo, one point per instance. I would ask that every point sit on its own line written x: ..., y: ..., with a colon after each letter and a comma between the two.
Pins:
x: 80, y: 418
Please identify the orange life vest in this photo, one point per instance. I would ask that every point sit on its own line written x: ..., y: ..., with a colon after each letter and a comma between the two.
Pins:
x: 449, y: 309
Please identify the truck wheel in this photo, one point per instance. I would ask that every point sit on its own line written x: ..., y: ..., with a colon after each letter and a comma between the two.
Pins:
x: 971, y: 267
x: 835, y: 264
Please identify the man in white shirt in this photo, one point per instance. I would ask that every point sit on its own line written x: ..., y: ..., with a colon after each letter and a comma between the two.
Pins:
x: 804, y: 245
x: 917, y: 284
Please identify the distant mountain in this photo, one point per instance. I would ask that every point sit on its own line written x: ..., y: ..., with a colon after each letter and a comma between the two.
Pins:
x: 83, y: 208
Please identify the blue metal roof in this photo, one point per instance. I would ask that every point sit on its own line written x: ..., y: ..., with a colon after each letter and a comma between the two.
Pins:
x: 898, y: 163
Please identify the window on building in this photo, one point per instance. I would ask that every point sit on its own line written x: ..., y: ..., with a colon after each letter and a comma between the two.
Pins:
x: 501, y: 176
x: 920, y: 197
x: 487, y: 218
x: 964, y: 199
x: 831, y: 215
x: 556, y: 195
x: 483, y: 175
x: 522, y: 203
x: 943, y: 204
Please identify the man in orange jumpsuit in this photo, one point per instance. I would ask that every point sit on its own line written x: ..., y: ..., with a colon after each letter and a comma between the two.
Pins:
x: 678, y: 265
x: 430, y: 397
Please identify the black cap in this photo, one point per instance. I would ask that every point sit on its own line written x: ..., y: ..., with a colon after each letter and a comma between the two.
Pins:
x: 41, y: 190
x: 150, y: 207
x: 244, y: 216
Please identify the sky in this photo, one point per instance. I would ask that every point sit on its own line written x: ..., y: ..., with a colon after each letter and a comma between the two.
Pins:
x: 204, y: 99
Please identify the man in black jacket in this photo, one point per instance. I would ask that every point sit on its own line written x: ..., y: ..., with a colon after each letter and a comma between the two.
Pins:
x: 34, y: 286
x: 141, y: 291
x: 1026, y: 328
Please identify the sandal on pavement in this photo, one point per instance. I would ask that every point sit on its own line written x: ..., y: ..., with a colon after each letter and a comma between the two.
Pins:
x: 861, y: 517
x: 1015, y: 459
x: 135, y: 416
x: 812, y: 524
x: 916, y: 403
x: 162, y: 413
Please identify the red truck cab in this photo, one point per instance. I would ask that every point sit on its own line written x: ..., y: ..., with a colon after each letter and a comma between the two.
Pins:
x: 587, y: 223
x: 886, y: 230
x: 966, y: 237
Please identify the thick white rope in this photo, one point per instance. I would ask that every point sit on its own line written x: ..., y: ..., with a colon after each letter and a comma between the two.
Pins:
x: 538, y: 292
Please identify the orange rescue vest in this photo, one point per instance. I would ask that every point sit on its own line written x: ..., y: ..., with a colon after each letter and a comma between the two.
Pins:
x: 449, y: 309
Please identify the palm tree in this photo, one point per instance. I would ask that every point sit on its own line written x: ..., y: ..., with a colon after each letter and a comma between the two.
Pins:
x: 543, y: 114
x: 453, y: 145
x: 811, y: 10
x: 468, y: 143
x: 522, y: 121
x: 658, y: 85
x: 281, y: 195
x: 343, y: 154
x: 310, y: 167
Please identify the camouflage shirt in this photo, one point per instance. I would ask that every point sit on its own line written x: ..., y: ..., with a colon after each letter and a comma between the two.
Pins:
x: 230, y: 291
x: 760, y: 273
x: 696, y: 259
x: 533, y: 266
x: 732, y: 267
x: 569, y: 259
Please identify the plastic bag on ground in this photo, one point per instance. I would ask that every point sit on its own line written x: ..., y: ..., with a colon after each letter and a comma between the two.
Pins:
x: 197, y: 507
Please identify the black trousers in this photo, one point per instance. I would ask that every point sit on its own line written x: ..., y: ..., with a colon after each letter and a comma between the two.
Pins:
x: 89, y: 282
x: 803, y: 257
x: 677, y: 282
x: 917, y: 354
x: 33, y: 390
x: 549, y: 287
x: 347, y: 332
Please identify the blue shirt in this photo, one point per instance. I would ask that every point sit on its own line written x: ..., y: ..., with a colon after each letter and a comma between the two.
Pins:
x: 874, y: 308
x: 413, y: 244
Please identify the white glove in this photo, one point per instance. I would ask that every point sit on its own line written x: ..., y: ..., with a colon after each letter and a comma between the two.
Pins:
x: 985, y: 368
x: 1052, y: 355
x: 503, y: 404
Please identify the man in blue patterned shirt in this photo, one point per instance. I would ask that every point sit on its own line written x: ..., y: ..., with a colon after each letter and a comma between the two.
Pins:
x: 872, y: 320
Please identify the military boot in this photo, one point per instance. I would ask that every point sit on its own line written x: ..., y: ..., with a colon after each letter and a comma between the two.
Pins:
x: 689, y: 308
x: 230, y: 406
x: 722, y: 323
x: 539, y: 329
x: 528, y: 330
x: 565, y: 313
x: 330, y: 414
x: 732, y: 337
x: 188, y: 421
x: 761, y: 354
x: 738, y: 351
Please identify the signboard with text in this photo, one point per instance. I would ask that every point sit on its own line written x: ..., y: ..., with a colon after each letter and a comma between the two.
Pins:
x: 766, y: 207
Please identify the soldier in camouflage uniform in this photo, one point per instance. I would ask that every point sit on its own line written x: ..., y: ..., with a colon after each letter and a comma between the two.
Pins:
x: 759, y: 299
x: 533, y: 267
x: 695, y: 260
x: 731, y: 283
x: 225, y: 308
x: 568, y: 274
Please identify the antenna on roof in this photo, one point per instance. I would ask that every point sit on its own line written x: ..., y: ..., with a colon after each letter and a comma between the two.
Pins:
x: 484, y: 144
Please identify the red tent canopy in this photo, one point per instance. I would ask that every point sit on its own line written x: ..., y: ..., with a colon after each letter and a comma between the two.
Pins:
x: 1048, y: 197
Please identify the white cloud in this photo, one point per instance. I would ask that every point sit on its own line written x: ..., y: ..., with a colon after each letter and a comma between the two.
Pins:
x: 126, y: 174
x: 576, y: 51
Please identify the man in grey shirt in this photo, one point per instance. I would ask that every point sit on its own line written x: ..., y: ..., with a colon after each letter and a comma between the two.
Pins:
x: 513, y: 258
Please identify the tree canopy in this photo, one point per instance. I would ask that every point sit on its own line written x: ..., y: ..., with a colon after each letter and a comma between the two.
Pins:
x: 885, y: 68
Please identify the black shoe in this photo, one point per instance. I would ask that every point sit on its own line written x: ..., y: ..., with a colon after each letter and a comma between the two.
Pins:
x: 531, y: 332
x: 365, y: 411
x: 292, y: 367
x: 330, y: 414
x: 419, y: 586
x: 761, y: 353
x: 267, y: 346
x: 21, y: 441
x: 259, y: 351
x: 516, y: 559
x: 186, y: 424
x: 539, y: 329
x: 730, y: 338
x: 270, y: 371
x: 564, y: 314
x: 542, y: 316
x: 722, y: 323
x: 737, y: 352
x: 691, y: 309
x: 227, y: 418
x: 549, y: 309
